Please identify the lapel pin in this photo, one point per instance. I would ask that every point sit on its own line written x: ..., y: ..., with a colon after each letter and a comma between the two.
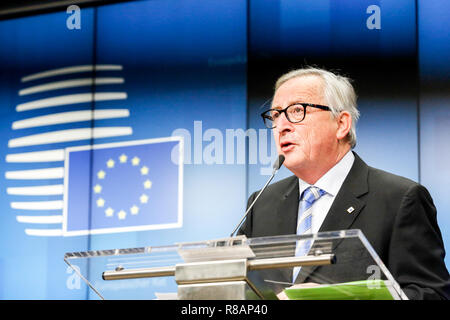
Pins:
x: 350, y: 210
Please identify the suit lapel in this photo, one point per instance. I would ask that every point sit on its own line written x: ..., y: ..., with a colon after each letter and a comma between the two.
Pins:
x: 346, y: 206
x: 349, y: 201
x: 343, y: 212
x: 287, y: 211
x: 286, y: 220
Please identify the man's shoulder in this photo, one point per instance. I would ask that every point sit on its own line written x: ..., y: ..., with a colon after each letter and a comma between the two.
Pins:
x: 389, y: 179
x: 281, y: 187
x: 284, y: 183
x: 392, y: 186
x: 379, y: 178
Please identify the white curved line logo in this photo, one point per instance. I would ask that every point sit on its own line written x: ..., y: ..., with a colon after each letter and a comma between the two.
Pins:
x: 50, y: 197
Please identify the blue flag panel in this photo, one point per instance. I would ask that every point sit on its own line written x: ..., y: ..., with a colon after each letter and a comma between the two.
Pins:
x: 127, y: 185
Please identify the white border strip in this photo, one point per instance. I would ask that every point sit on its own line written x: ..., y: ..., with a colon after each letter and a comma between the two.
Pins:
x: 70, y: 99
x: 49, y: 190
x: 70, y: 117
x: 69, y: 70
x: 69, y: 135
x: 40, y: 219
x: 44, y: 232
x: 37, y: 156
x: 38, y: 205
x: 82, y: 82
x: 178, y: 224
x: 36, y: 174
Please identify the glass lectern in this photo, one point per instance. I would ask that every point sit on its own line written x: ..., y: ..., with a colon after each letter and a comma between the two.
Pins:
x: 339, y: 265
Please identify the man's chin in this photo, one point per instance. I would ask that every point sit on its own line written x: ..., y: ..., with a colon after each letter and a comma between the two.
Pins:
x: 294, y: 162
x: 291, y: 162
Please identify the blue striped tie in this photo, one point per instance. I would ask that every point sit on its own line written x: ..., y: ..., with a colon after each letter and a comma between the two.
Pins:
x: 304, y: 225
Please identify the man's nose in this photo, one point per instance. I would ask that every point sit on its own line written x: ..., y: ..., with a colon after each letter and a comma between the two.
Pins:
x: 283, y: 124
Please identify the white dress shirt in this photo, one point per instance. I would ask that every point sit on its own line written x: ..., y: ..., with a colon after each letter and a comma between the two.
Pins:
x: 331, y: 183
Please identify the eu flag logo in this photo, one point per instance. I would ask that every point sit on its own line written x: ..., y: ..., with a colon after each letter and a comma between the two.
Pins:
x: 119, y: 187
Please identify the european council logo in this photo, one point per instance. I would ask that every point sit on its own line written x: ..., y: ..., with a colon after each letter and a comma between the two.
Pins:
x: 131, y: 186
x: 60, y: 186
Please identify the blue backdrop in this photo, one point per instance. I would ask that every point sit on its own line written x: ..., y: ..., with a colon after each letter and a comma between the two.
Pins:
x: 140, y: 80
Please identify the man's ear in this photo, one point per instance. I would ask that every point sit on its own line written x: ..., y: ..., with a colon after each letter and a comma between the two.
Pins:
x: 344, y: 122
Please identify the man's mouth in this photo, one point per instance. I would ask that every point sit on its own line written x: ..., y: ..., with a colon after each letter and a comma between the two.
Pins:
x: 286, y: 146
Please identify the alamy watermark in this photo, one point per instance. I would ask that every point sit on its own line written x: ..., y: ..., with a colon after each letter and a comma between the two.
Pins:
x: 73, y: 21
x: 230, y: 147
x: 374, y: 20
x: 73, y: 281
x: 373, y: 281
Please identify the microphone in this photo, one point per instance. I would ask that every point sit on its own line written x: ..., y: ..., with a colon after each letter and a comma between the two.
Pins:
x: 276, y: 166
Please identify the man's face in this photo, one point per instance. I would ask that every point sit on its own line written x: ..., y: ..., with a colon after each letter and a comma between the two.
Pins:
x: 311, y: 144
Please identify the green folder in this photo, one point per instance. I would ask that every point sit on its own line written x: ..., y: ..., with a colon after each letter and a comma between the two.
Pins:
x: 356, y: 290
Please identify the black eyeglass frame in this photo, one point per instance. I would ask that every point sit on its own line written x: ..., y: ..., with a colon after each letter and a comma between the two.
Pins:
x: 266, y: 114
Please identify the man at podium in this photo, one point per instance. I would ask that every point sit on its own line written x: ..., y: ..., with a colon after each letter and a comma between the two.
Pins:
x: 313, y: 117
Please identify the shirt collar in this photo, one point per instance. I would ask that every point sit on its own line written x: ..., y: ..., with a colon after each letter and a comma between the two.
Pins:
x: 333, y: 179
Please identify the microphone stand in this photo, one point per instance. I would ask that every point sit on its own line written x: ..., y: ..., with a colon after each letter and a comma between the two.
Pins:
x: 276, y: 167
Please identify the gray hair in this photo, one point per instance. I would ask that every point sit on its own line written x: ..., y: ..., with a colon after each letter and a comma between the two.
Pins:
x: 338, y: 91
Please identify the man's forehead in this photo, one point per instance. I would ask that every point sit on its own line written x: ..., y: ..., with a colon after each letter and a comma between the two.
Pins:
x: 299, y: 89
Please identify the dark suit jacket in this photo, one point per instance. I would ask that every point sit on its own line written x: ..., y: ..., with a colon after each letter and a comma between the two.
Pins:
x: 396, y: 215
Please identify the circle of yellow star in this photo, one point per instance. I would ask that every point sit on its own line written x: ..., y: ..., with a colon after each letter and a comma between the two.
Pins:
x: 144, y: 170
x: 143, y: 198
x: 122, y: 215
x: 147, y: 184
x: 97, y: 188
x: 135, y: 161
x: 109, y: 212
x: 100, y: 202
x: 101, y: 174
x: 110, y: 163
x: 123, y: 158
x: 134, y: 210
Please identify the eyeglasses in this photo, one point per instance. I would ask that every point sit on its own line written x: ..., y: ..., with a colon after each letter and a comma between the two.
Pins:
x: 295, y: 113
